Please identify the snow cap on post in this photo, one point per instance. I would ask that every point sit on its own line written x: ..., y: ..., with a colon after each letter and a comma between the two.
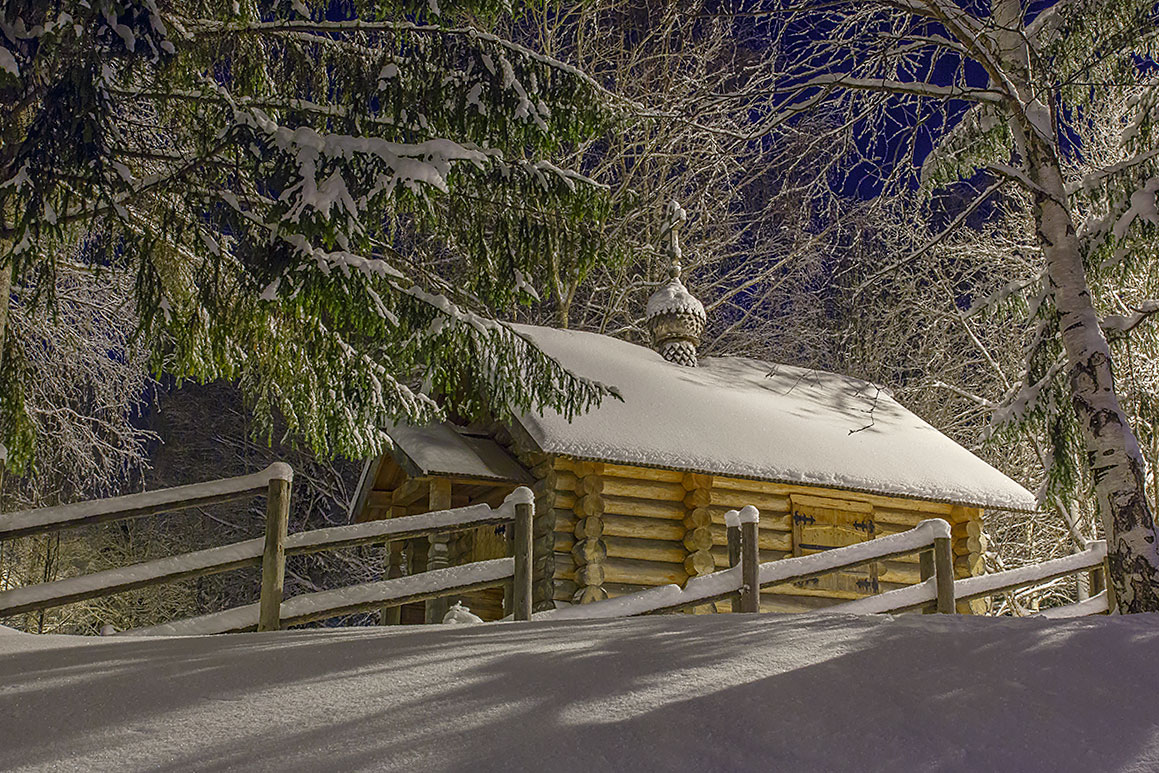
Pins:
x: 674, y: 317
x: 732, y: 519
x: 279, y: 471
x: 520, y: 496
x: 937, y: 527
x: 749, y: 514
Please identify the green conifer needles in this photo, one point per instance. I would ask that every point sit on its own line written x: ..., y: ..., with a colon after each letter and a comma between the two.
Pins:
x: 330, y: 210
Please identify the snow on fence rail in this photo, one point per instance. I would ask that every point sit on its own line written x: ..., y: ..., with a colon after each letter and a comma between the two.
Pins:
x: 270, y: 551
x: 309, y: 607
x: 48, y: 519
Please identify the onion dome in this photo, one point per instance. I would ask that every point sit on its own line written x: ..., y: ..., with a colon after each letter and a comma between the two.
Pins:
x: 674, y: 317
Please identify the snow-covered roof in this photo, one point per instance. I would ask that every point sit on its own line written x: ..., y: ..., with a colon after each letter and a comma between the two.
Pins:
x: 756, y: 420
x: 442, y: 449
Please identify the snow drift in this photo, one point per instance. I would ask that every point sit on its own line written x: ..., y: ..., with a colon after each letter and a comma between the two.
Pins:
x: 727, y: 692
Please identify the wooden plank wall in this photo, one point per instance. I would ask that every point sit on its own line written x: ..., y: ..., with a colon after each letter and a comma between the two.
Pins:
x: 619, y: 529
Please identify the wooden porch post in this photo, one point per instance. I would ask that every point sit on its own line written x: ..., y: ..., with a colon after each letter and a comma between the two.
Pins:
x: 438, y: 556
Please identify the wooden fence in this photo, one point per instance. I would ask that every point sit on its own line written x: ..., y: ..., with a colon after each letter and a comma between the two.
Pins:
x: 741, y: 582
x: 272, y: 611
x: 938, y: 591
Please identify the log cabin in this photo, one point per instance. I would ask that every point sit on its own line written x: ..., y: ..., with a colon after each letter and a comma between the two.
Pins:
x: 632, y: 493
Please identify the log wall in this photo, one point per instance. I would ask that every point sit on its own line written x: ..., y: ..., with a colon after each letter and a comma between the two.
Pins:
x: 619, y: 529
x: 604, y: 530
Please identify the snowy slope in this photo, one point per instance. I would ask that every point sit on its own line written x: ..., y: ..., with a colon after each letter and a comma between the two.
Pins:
x: 727, y: 692
x: 759, y: 420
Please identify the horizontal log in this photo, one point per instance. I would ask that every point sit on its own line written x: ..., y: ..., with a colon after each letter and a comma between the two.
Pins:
x: 969, y: 566
x: 563, y: 500
x: 698, y: 539
x: 645, y: 528
x: 615, y: 589
x: 720, y: 553
x: 589, y: 551
x: 768, y: 539
x: 636, y: 489
x: 907, y: 519
x: 564, y: 566
x: 766, y: 503
x: 699, y: 563
x: 895, y: 571
x: 589, y: 505
x: 939, y: 509
x: 847, y: 505
x: 970, y: 528
x: 644, y: 508
x: 561, y: 480
x: 589, y: 594
x: 590, y: 574
x: 668, y: 551
x: 644, y: 572
x: 565, y: 521
x: 619, y: 470
x: 565, y: 589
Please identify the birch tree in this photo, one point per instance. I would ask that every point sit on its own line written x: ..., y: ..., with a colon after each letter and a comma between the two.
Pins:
x: 1009, y: 95
x: 324, y: 204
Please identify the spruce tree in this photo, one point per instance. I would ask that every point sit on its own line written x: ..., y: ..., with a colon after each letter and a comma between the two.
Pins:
x: 326, y: 202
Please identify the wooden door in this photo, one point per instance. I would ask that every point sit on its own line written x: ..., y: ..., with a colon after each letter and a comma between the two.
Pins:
x: 821, y: 524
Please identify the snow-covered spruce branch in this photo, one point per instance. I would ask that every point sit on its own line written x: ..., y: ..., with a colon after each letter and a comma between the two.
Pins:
x: 204, y: 27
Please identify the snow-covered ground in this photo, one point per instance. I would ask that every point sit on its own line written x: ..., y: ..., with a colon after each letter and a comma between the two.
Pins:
x: 727, y: 692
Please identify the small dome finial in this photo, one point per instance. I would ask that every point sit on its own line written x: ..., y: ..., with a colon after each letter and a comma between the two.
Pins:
x: 674, y: 317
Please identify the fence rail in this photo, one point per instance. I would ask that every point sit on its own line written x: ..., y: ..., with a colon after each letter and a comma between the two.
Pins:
x: 44, y: 520
x: 270, y: 551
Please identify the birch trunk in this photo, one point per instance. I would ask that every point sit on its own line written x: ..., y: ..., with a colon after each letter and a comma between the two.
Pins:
x: 1113, y: 453
x: 1114, y: 457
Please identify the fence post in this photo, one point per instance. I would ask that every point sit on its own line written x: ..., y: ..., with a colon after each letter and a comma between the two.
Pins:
x: 274, y: 555
x: 944, y: 575
x: 926, y: 567
x: 521, y: 582
x: 750, y: 560
x: 732, y: 529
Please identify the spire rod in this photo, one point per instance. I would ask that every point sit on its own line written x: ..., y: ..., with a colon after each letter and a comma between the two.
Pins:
x: 673, y: 222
